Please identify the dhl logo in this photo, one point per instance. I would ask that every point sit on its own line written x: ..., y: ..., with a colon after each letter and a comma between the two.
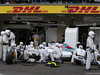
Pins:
x: 27, y: 9
x: 83, y: 9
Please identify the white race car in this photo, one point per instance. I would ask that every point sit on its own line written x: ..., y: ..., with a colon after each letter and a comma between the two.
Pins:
x: 67, y: 52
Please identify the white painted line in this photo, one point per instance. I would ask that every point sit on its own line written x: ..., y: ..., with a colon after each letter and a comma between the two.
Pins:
x: 93, y: 73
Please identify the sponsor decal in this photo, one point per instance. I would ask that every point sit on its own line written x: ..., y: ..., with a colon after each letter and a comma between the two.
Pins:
x: 27, y: 9
x: 81, y: 9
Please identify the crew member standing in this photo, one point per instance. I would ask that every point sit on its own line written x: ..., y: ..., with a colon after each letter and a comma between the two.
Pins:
x: 5, y: 44
x: 90, y: 49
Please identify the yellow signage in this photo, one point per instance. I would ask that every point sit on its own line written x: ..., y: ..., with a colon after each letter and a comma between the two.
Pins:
x: 50, y: 9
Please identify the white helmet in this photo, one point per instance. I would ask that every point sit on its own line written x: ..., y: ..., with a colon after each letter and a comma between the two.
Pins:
x: 57, y: 44
x: 44, y: 43
x: 91, y: 34
x: 2, y: 32
x: 31, y: 42
x: 41, y: 46
x: 7, y: 32
x: 80, y: 46
x: 21, y: 43
x: 13, y: 45
x: 78, y: 42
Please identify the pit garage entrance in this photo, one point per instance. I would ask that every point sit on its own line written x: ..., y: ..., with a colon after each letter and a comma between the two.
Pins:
x: 48, y: 27
x: 49, y: 21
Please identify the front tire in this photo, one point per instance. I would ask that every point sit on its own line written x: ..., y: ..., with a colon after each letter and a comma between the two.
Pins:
x: 9, y: 58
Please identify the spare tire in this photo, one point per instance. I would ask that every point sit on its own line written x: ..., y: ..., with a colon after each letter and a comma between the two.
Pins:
x: 9, y: 58
x: 78, y: 62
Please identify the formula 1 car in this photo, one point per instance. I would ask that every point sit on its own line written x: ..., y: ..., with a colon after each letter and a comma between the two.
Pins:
x: 67, y: 52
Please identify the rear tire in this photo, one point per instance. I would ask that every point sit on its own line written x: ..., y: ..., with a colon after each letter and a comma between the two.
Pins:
x: 9, y: 58
x: 77, y: 62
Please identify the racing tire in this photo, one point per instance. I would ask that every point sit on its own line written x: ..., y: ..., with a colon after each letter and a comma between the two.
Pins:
x: 77, y: 62
x: 9, y: 58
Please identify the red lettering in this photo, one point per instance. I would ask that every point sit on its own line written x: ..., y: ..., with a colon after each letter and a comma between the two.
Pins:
x: 85, y: 9
x: 37, y: 10
x: 27, y: 9
x: 94, y: 10
x: 73, y: 9
x: 17, y: 9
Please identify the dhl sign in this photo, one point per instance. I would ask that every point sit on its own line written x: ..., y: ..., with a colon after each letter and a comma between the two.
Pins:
x: 27, y: 9
x: 50, y: 9
x: 82, y: 10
